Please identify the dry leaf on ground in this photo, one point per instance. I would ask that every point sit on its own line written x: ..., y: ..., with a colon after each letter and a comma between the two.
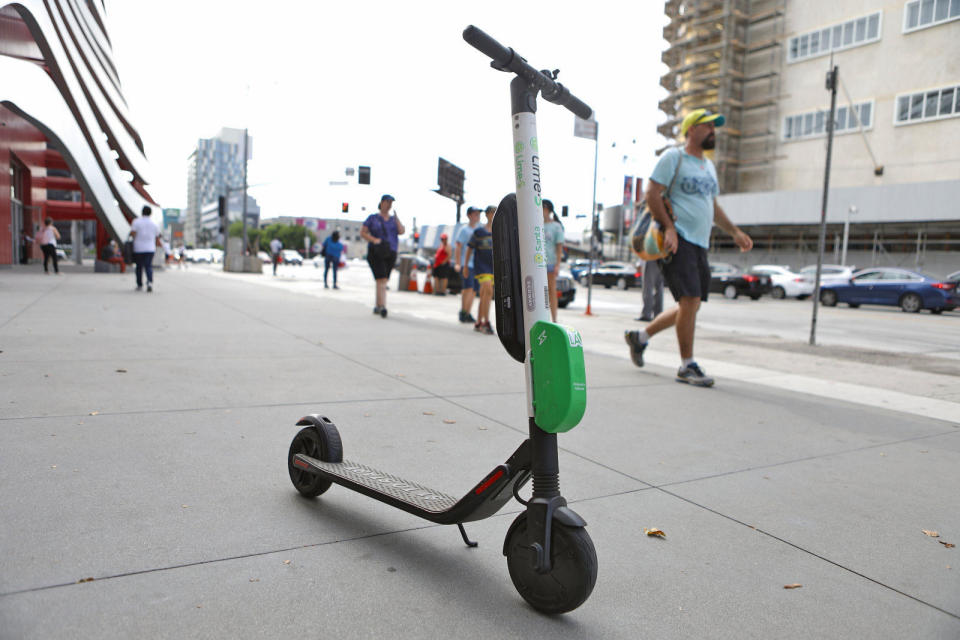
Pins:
x: 448, y: 421
x: 121, y: 370
x: 93, y: 413
x: 795, y: 585
x: 654, y: 532
x: 948, y: 545
x: 932, y: 534
x: 428, y: 413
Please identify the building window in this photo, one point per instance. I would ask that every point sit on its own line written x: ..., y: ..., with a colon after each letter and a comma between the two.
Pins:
x: 924, y: 106
x: 814, y: 123
x: 920, y: 14
x: 845, y: 35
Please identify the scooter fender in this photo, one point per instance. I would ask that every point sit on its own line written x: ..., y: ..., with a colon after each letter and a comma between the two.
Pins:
x: 564, y: 515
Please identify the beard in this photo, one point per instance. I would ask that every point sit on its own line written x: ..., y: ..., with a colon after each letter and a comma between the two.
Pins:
x: 709, y: 142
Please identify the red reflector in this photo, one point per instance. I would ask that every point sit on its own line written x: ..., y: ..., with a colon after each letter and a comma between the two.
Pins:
x: 489, y: 481
x: 947, y: 286
x: 297, y: 462
x: 750, y: 278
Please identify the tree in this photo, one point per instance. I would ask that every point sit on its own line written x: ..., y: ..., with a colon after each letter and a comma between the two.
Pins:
x: 290, y: 235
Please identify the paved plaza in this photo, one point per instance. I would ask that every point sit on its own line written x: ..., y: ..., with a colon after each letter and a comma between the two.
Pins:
x: 144, y: 489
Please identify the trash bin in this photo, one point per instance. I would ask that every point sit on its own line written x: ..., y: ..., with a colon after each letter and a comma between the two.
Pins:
x: 405, y: 268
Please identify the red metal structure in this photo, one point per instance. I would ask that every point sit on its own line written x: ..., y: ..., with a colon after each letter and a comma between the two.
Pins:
x: 64, y: 125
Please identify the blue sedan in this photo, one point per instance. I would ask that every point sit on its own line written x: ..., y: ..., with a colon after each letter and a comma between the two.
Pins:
x: 908, y: 290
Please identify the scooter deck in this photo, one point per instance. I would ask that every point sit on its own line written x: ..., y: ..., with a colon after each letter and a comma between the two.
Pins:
x: 483, y: 500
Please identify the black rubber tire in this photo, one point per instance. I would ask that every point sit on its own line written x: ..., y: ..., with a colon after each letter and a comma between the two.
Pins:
x: 911, y: 303
x: 936, y: 312
x: 803, y: 297
x: 828, y: 298
x: 730, y: 292
x: 778, y: 293
x: 755, y: 297
x: 321, y: 442
x: 574, y: 568
x: 853, y: 305
x: 562, y: 304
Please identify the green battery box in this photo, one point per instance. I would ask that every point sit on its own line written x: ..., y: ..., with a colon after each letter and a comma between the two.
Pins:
x: 559, y: 377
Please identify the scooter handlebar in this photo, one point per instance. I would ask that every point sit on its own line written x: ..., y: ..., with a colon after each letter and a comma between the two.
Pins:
x: 506, y: 59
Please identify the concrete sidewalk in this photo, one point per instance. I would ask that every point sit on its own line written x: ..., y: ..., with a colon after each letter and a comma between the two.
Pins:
x: 143, y: 442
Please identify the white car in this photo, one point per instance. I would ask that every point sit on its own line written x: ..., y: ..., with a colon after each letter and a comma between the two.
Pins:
x: 830, y: 274
x: 785, y: 283
x: 289, y: 256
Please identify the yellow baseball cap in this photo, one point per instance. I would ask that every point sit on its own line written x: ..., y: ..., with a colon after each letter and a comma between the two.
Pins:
x: 699, y: 116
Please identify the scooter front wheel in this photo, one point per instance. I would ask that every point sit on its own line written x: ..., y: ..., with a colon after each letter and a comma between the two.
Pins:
x: 322, y: 442
x: 573, y: 571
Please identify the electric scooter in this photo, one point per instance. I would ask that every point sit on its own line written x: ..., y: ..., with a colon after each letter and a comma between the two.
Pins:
x: 550, y: 556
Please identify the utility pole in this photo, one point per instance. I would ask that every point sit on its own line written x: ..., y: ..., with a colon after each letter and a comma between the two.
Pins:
x: 593, y: 217
x: 832, y: 87
x: 244, y: 209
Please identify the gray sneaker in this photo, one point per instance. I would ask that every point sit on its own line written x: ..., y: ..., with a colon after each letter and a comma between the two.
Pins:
x: 693, y: 374
x: 636, y: 347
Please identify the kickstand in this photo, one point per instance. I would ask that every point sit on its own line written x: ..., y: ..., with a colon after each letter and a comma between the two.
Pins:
x: 463, y: 532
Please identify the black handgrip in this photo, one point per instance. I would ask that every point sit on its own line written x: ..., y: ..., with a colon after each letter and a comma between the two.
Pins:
x: 506, y: 59
x: 478, y: 39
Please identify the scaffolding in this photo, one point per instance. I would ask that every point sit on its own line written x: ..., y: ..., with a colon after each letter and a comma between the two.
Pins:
x: 726, y: 56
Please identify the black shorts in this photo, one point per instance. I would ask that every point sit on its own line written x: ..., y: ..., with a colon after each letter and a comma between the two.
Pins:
x: 443, y: 271
x: 687, y: 272
x: 381, y: 262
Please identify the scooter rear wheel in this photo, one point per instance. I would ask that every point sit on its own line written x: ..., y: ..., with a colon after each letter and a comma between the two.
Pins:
x: 321, y: 442
x: 573, y: 571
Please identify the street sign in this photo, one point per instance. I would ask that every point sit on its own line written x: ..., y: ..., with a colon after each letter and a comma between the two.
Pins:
x: 585, y: 128
x: 450, y: 179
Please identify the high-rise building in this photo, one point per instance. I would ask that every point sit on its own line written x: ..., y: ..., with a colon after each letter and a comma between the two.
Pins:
x: 763, y: 64
x: 215, y: 165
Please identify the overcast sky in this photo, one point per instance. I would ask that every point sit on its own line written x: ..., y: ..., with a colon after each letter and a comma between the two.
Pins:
x: 323, y: 86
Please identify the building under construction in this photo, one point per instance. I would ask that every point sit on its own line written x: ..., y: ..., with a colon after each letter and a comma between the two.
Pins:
x: 762, y: 63
x: 726, y: 56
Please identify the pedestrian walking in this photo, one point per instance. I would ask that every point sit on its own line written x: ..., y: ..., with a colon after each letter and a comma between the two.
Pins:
x: 441, y: 267
x: 686, y: 237
x: 652, y: 291
x: 468, y: 289
x: 382, y: 232
x: 146, y: 239
x: 553, y: 250
x: 480, y: 248
x: 47, y: 239
x: 331, y: 250
x: 276, y: 246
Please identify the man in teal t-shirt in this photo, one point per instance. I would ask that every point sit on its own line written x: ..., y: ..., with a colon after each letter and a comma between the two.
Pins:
x: 689, y: 181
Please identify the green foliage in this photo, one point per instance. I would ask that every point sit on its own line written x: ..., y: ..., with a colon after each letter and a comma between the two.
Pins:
x: 290, y: 235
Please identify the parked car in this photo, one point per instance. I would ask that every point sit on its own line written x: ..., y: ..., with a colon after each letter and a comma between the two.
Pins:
x: 580, y: 267
x: 566, y: 291
x: 829, y: 273
x: 289, y: 256
x: 909, y: 290
x: 953, y: 277
x: 615, y: 274
x: 265, y: 257
x: 732, y: 283
x: 786, y: 283
x: 420, y: 263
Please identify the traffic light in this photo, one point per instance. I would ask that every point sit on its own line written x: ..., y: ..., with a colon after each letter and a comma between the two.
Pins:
x: 222, y: 213
x: 565, y: 211
x: 364, y: 177
x: 345, y: 208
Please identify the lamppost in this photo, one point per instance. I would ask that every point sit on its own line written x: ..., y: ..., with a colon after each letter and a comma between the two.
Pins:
x: 852, y: 209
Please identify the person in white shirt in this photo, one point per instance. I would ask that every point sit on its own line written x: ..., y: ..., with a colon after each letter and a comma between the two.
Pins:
x: 275, y: 247
x: 47, y: 238
x: 146, y: 239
